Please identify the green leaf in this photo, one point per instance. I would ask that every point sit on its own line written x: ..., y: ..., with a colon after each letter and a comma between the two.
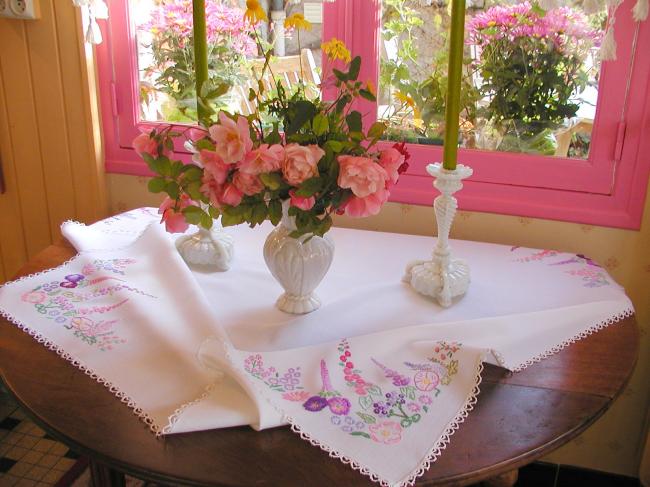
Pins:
x: 214, y: 212
x: 193, y: 189
x: 367, y: 418
x: 335, y: 145
x: 367, y: 94
x: 157, y: 185
x: 320, y: 124
x: 260, y: 212
x: 354, y: 121
x: 360, y: 433
x: 310, y: 187
x: 355, y: 66
x: 204, y: 144
x: 251, y: 94
x: 304, y: 111
x: 366, y: 402
x: 272, y: 180
x: 229, y: 219
x: 206, y: 221
x: 275, y: 211
x: 377, y: 129
x: 193, y: 214
x: 192, y: 172
x: 172, y: 189
x: 340, y: 75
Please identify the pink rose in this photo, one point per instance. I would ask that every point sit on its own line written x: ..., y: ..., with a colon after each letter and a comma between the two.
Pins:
x: 263, y: 159
x: 214, y: 165
x: 143, y: 144
x: 391, y: 160
x: 370, y: 205
x: 174, y: 220
x: 232, y: 139
x: 211, y: 188
x: 301, y: 162
x: 231, y: 195
x: 249, y: 184
x: 196, y: 133
x: 302, y: 202
x: 362, y: 175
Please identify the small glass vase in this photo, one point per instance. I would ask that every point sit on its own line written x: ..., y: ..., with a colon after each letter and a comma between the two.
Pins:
x: 211, y: 249
x: 298, y: 264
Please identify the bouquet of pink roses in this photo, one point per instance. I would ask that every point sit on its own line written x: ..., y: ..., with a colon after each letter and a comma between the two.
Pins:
x: 314, y: 154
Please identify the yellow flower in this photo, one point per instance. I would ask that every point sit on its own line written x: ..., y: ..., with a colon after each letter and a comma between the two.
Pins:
x: 406, y: 99
x: 254, y: 12
x: 370, y: 86
x: 297, y: 21
x: 335, y: 49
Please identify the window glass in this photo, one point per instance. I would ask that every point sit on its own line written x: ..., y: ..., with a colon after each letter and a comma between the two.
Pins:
x: 165, y: 54
x: 530, y: 79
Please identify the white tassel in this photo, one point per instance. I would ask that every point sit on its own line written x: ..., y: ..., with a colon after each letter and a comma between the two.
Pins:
x: 608, y: 47
x: 592, y: 6
x: 640, y: 10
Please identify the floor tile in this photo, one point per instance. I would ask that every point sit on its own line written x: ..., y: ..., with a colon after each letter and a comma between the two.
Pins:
x: 8, y: 481
x: 52, y: 477
x: 25, y: 483
x: 59, y: 449
x: 43, y: 445
x: 16, y: 452
x: 32, y: 457
x: 9, y: 423
x: 20, y: 469
x: 48, y: 460
x: 27, y: 442
x: 6, y: 464
x: 64, y: 464
x: 36, y: 472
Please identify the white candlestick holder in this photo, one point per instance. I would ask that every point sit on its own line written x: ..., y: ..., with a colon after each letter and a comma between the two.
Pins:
x: 442, y: 277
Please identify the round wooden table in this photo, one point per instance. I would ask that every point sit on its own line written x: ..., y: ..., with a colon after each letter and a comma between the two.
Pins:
x: 518, y: 418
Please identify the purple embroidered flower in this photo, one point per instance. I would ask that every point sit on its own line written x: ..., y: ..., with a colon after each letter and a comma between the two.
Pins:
x: 336, y: 420
x: 398, y: 379
x: 339, y: 405
x: 380, y: 408
x: 394, y: 399
x: 315, y: 404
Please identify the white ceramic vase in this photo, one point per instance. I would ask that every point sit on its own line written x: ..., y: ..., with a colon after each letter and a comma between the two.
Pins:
x: 298, y: 264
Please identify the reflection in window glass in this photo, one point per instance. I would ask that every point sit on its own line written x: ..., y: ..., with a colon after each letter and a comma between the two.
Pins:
x: 166, y: 57
x: 530, y: 77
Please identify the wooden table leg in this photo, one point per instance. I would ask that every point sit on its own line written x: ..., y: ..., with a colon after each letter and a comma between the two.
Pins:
x: 103, y: 476
x: 507, y: 479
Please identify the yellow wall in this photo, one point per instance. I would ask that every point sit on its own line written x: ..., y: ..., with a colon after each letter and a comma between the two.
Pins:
x: 50, y: 149
x: 615, y: 442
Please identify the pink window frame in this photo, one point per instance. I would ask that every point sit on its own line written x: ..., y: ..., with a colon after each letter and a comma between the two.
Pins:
x: 607, y: 189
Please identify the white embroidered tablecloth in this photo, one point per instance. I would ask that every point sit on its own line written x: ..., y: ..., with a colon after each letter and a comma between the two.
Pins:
x: 379, y: 376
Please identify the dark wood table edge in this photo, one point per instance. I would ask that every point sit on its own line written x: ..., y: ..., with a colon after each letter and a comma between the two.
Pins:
x: 105, y: 465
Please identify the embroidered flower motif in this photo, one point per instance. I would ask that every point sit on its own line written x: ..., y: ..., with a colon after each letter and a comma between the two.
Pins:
x: 295, y: 396
x: 34, y: 297
x: 315, y: 404
x: 386, y: 432
x: 425, y: 400
x: 413, y: 407
x: 397, y: 378
x: 426, y: 380
x: 59, y: 300
x: 339, y: 405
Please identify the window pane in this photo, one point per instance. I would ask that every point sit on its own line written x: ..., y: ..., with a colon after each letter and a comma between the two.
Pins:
x: 530, y: 79
x: 165, y: 55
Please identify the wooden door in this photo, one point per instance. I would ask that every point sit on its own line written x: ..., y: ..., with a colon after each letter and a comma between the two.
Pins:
x: 50, y: 151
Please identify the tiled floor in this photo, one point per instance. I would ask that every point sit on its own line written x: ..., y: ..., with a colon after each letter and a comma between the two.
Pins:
x: 28, y: 456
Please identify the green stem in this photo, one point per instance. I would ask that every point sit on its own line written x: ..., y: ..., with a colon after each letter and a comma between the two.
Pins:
x: 200, y: 55
x: 452, y: 112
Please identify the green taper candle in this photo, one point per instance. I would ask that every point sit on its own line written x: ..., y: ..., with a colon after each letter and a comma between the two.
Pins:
x: 200, y: 52
x: 452, y: 110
